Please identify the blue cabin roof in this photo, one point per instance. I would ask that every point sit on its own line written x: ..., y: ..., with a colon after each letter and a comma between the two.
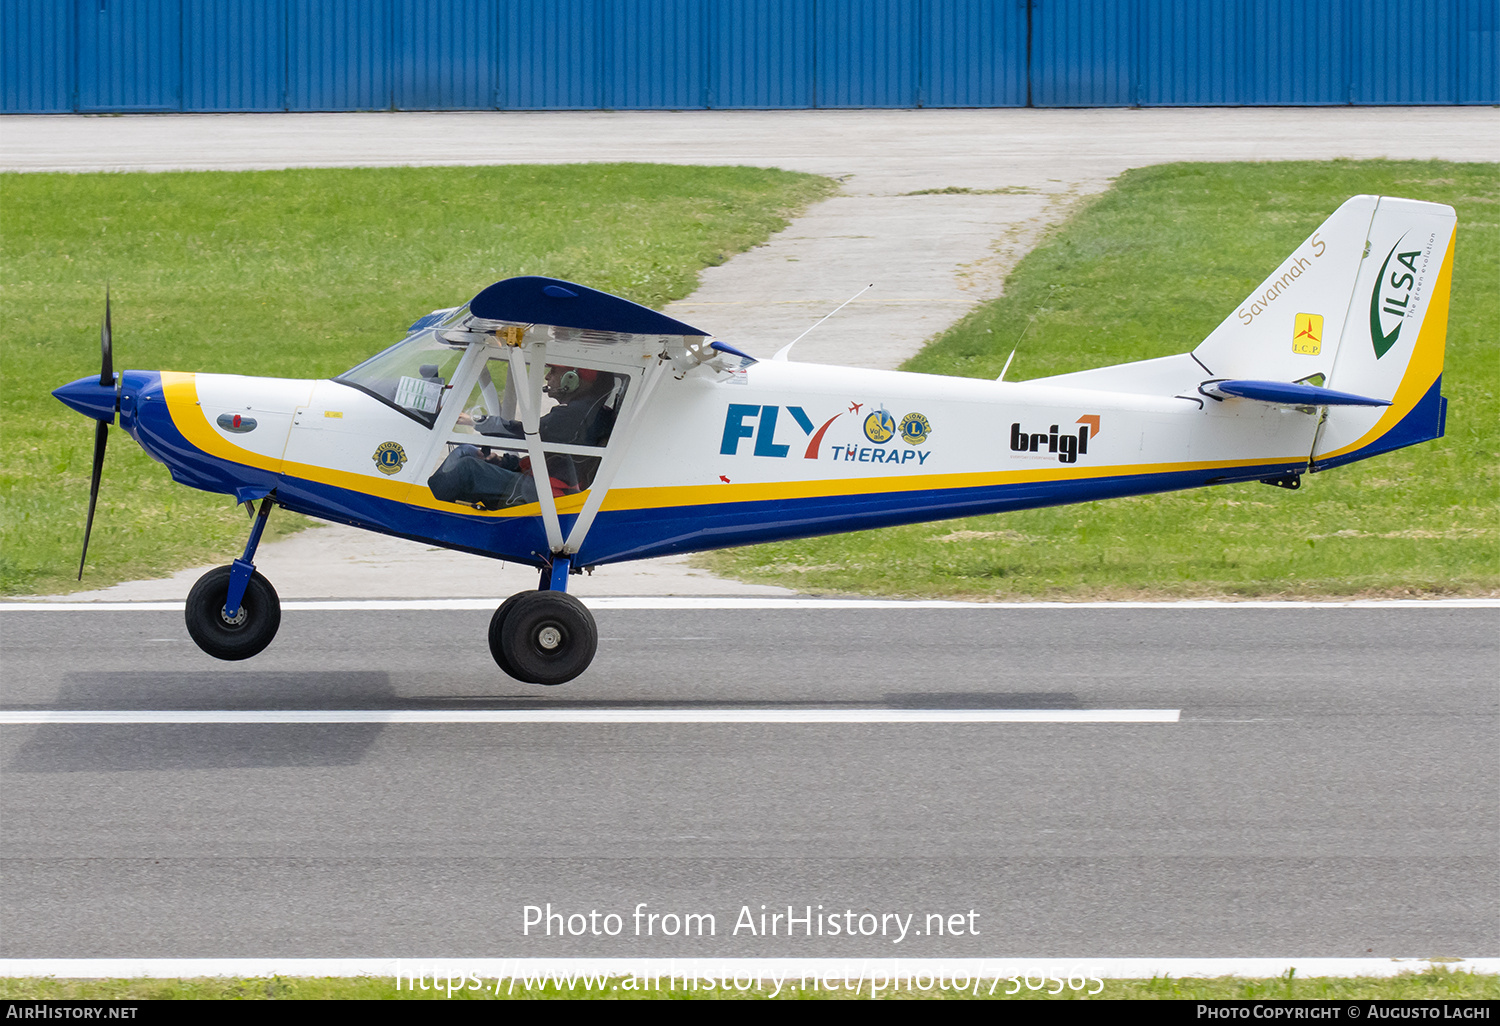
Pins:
x: 536, y: 300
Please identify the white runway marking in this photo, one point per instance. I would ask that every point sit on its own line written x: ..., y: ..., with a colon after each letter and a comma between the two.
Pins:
x: 718, y: 602
x: 743, y: 969
x: 160, y: 716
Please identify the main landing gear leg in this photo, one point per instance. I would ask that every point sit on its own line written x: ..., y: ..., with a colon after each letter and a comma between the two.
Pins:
x: 233, y: 612
x: 545, y: 636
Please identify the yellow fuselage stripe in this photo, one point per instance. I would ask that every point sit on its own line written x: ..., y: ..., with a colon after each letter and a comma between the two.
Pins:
x: 181, y: 393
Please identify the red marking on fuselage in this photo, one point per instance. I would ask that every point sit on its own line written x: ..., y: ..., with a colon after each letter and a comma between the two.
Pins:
x: 854, y: 407
x: 817, y: 439
x: 723, y: 478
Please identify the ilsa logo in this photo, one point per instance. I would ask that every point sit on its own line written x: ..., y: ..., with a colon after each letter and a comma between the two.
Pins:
x: 1392, y: 296
x: 1068, y: 447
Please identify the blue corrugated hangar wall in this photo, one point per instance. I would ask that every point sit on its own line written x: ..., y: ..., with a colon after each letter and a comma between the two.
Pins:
x: 246, y: 55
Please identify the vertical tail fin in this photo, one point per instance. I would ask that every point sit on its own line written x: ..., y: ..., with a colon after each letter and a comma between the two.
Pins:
x: 1289, y: 328
x: 1360, y: 307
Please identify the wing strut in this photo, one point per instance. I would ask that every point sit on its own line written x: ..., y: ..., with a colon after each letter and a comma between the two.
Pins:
x: 624, y: 433
x: 529, y: 401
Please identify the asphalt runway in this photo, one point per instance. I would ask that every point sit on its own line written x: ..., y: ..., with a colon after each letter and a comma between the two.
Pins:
x: 1329, y: 788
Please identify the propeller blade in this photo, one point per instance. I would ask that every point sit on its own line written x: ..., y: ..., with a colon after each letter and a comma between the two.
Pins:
x: 101, y: 438
x: 106, y: 348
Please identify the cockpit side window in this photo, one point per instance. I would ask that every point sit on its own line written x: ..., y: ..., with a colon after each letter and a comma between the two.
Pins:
x: 411, y: 376
x: 485, y: 463
x: 491, y: 401
x: 579, y: 405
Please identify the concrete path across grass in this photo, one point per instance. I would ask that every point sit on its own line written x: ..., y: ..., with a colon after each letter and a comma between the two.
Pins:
x: 931, y: 255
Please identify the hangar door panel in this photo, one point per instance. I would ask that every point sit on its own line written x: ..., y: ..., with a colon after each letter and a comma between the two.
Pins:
x: 1081, y: 54
x: 129, y: 54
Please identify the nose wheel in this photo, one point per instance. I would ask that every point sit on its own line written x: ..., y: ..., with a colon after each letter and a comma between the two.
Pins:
x: 232, y: 636
x: 543, y: 637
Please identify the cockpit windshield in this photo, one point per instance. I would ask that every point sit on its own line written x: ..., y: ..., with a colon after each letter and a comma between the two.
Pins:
x: 412, y: 375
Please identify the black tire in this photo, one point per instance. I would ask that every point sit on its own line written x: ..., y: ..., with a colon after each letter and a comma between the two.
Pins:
x: 497, y: 634
x: 249, y: 633
x: 549, y: 637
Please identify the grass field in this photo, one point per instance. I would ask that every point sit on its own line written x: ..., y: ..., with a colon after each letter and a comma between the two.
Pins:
x: 297, y: 274
x: 1431, y: 984
x: 1148, y: 269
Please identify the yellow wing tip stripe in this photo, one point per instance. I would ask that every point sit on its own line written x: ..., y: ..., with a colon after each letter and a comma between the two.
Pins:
x: 1426, y: 364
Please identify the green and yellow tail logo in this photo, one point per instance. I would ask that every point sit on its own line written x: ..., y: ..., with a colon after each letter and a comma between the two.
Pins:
x: 1391, y: 296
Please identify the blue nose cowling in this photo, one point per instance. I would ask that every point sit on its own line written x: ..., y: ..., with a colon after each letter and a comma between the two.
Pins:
x: 89, y: 398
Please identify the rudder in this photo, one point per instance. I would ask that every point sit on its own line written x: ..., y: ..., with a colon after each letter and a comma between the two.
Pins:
x: 1394, y: 336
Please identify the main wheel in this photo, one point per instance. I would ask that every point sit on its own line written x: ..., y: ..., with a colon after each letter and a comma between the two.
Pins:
x: 549, y: 637
x: 249, y: 632
x: 497, y: 634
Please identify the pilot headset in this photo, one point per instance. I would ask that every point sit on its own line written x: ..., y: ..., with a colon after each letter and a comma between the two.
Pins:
x: 571, y: 380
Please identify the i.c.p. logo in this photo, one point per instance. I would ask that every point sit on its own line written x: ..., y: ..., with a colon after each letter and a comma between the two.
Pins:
x: 389, y: 458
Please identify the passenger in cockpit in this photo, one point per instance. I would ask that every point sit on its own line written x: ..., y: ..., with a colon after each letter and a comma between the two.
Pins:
x: 476, y: 475
x: 480, y: 477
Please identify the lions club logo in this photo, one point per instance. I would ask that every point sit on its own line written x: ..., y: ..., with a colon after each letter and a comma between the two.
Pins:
x: 915, y: 428
x: 389, y: 458
x: 880, y: 426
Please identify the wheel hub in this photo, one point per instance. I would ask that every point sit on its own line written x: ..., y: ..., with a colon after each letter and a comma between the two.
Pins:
x: 549, y: 637
x: 233, y: 621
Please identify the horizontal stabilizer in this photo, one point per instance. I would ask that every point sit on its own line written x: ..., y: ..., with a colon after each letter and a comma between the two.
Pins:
x: 1285, y: 393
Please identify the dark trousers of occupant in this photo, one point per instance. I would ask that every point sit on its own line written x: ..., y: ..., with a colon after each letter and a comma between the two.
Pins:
x: 467, y: 476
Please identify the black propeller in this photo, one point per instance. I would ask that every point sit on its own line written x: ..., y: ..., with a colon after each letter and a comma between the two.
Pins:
x: 101, y: 433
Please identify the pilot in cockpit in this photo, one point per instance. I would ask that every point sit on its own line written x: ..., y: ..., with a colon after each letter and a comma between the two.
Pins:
x: 581, y: 416
x: 475, y: 475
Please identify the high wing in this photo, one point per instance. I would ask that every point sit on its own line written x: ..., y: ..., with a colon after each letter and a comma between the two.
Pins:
x: 539, y: 322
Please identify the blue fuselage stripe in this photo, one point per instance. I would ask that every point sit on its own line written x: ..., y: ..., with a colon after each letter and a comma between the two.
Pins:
x: 636, y: 533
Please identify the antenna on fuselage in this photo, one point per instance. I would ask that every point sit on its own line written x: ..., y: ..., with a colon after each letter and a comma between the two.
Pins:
x: 1009, y: 358
x: 781, y: 354
x: 1017, y: 349
x: 1051, y: 291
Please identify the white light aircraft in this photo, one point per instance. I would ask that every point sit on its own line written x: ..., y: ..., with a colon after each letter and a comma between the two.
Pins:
x: 546, y: 423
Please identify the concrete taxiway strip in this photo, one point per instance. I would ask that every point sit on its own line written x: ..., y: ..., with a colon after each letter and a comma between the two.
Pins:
x: 936, y: 208
x: 725, y: 602
x: 745, y: 970
x: 116, y: 716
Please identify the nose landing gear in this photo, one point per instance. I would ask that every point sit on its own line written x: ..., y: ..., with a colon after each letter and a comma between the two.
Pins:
x: 233, y: 612
x: 241, y: 635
